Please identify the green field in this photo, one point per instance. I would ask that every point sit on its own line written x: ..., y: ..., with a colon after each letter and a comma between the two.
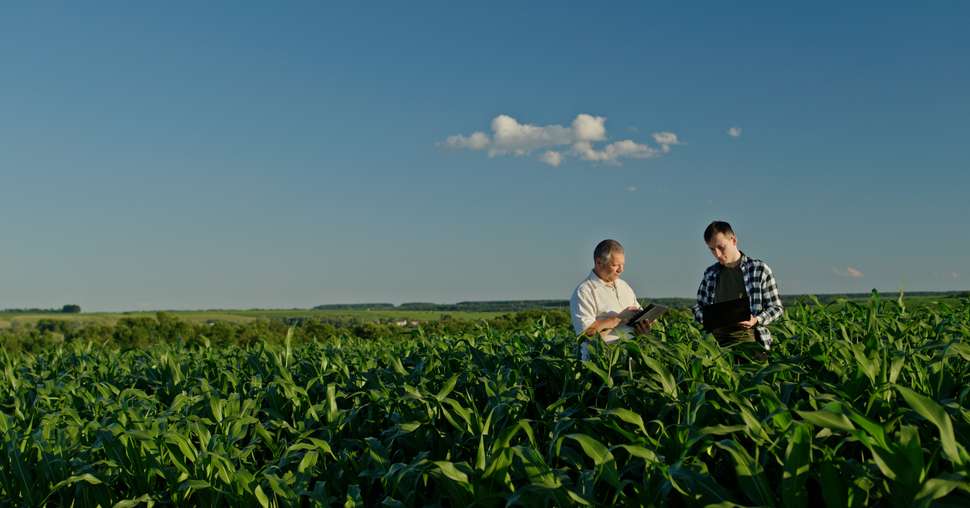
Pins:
x: 9, y: 319
x: 860, y: 405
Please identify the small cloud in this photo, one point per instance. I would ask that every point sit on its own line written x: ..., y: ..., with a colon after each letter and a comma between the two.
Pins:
x: 632, y: 188
x: 666, y: 140
x: 955, y: 275
x: 734, y: 132
x: 633, y: 128
x: 552, y: 158
x: 476, y: 141
x: 850, y: 272
x: 612, y: 152
x: 512, y: 137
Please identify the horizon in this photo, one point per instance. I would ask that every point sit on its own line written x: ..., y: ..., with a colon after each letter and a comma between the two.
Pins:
x: 947, y: 293
x: 252, y: 156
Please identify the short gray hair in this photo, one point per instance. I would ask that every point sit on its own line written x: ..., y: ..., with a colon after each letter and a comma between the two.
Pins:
x: 605, y: 249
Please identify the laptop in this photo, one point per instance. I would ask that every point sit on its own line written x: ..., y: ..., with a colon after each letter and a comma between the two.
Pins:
x: 729, y: 313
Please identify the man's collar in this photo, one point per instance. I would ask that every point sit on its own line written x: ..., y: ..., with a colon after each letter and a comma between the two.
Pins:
x: 597, y: 281
x: 741, y: 262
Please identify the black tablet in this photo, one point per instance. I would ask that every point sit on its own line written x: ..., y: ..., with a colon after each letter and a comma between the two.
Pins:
x: 649, y: 313
x: 727, y: 313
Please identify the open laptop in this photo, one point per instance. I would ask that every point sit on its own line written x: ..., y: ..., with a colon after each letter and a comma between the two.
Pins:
x: 731, y: 312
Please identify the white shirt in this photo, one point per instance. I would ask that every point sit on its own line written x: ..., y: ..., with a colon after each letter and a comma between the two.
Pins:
x: 594, y: 299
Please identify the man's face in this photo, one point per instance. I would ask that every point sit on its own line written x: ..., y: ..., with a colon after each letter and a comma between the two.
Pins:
x: 611, y: 270
x: 724, y: 248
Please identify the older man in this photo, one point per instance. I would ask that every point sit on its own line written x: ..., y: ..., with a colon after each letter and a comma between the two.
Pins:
x: 603, y: 302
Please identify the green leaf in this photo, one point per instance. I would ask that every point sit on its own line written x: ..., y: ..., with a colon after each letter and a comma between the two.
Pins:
x: 593, y: 448
x: 827, y: 419
x: 86, y: 477
x: 261, y: 497
x: 309, y: 460
x: 798, y: 461
x: 627, y: 416
x: 641, y: 452
x: 398, y: 366
x: 447, y: 388
x: 932, y: 411
x: 450, y: 471
x: 936, y: 488
x: 751, y: 477
x: 132, y: 503
x: 697, y: 486
x: 720, y: 430
x: 409, y: 427
x: 663, y: 375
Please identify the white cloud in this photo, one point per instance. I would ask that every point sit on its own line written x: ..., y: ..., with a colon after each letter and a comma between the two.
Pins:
x: 552, y: 158
x: 850, y: 272
x: 611, y: 153
x: 665, y: 140
x: 511, y: 137
x: 734, y: 132
x: 589, y: 128
x: 631, y: 188
x: 955, y: 275
x: 476, y: 141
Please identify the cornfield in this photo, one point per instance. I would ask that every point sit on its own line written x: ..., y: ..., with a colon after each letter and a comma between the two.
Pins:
x: 860, y: 405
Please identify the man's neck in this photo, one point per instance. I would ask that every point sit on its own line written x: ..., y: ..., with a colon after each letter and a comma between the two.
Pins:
x: 735, y: 263
x: 604, y: 281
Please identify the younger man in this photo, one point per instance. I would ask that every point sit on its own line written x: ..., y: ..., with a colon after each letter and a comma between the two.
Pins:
x: 734, y: 276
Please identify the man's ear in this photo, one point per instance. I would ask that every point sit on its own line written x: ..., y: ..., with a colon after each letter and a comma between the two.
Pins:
x: 734, y: 240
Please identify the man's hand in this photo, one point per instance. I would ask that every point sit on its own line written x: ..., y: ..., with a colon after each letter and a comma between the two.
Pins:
x: 749, y: 323
x: 643, y: 326
x: 627, y: 313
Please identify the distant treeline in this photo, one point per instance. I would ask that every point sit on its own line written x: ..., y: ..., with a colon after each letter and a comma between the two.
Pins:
x: 67, y: 309
x: 164, y: 327
x: 679, y: 303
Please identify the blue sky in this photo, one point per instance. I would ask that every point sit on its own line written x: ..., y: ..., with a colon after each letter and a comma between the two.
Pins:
x: 291, y: 154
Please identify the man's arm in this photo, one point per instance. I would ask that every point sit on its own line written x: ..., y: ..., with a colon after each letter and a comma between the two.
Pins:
x: 602, y: 325
x: 771, y: 298
x: 583, y: 313
x: 702, y: 297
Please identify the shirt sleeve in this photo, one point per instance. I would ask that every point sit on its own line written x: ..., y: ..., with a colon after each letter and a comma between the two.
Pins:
x: 701, y: 298
x: 582, y: 309
x: 771, y: 298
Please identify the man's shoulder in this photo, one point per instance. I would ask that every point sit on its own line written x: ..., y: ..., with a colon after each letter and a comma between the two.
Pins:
x: 584, y: 286
x: 758, y: 263
x: 711, y: 270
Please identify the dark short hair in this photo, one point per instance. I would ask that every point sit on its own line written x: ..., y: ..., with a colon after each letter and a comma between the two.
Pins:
x: 605, y: 249
x: 716, y: 227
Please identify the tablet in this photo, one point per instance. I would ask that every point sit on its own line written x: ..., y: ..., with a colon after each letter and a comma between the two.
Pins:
x: 727, y: 313
x: 649, y: 313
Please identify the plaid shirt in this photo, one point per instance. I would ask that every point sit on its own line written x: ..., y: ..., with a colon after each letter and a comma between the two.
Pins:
x: 762, y: 291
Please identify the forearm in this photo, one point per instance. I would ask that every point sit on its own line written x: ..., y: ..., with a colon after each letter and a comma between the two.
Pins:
x: 601, y: 325
x: 773, y: 308
x: 698, y: 313
x: 771, y: 313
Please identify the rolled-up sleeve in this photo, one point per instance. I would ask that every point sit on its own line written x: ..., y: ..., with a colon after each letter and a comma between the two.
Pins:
x: 770, y: 297
x: 698, y: 308
x: 582, y: 308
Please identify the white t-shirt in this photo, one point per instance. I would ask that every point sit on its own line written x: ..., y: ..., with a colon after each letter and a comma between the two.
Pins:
x: 594, y: 299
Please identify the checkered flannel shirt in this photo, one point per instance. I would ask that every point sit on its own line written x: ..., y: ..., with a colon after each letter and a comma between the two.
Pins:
x: 762, y: 291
